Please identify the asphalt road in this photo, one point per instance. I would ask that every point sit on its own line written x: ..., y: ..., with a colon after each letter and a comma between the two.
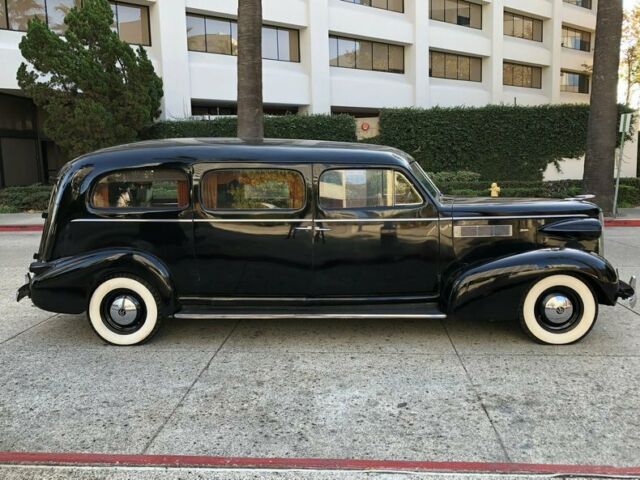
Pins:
x: 414, y: 390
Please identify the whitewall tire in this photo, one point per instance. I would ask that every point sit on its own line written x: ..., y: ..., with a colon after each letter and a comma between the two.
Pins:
x: 123, y: 310
x: 558, y: 310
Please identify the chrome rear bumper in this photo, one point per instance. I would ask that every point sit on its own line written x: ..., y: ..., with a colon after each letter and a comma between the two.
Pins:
x: 24, y: 290
x: 628, y: 291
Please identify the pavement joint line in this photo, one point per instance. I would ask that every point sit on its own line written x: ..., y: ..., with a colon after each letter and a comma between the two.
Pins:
x: 28, y: 329
x: 629, y: 308
x: 175, y: 409
x: 478, y: 396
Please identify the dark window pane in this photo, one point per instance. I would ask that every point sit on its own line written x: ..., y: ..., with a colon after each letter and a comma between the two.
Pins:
x: 528, y: 29
x: 537, y: 30
x: 288, y: 48
x: 451, y: 11
x: 21, y: 11
x: 437, y: 64
x: 464, y: 14
x: 364, y: 55
x: 133, y: 24
x: 451, y: 66
x: 379, y: 4
x: 3, y: 15
x: 380, y: 56
x: 476, y: 69
x: 234, y: 38
x: 527, y: 78
x: 269, y: 43
x: 142, y: 188
x: 56, y: 11
x: 437, y: 10
x: 464, y: 68
x: 476, y: 16
x: 196, y: 34
x: 333, y: 51
x: 396, y: 59
x: 518, y: 26
x: 536, y: 77
x: 518, y: 75
x: 346, y: 53
x: 507, y: 74
x: 253, y: 189
x: 508, y: 24
x: 218, y: 36
x: 396, y: 5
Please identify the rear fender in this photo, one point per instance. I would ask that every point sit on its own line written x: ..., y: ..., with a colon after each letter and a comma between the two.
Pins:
x: 64, y: 285
x: 503, y: 281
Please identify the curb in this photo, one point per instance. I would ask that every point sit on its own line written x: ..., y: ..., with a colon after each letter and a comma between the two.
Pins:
x: 204, y: 461
x: 622, y: 222
x: 21, y: 228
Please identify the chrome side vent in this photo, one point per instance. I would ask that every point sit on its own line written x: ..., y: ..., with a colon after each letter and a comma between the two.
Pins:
x: 482, y: 231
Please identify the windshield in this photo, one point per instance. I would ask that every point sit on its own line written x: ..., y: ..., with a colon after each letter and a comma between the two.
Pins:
x: 425, y: 181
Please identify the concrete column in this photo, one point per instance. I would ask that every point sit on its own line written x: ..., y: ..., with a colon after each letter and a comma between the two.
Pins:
x: 551, y: 83
x: 314, y: 51
x: 169, y: 52
x: 417, y: 57
x: 493, y: 15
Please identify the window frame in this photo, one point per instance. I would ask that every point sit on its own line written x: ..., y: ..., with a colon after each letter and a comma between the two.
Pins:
x: 581, y: 32
x: 230, y: 211
x: 515, y: 64
x: 354, y: 2
x: 579, y: 74
x: 579, y: 3
x: 138, y: 210
x: 337, y: 38
x: 524, y: 19
x: 232, y: 21
x: 458, y: 56
x: 481, y: 27
x: 408, y: 176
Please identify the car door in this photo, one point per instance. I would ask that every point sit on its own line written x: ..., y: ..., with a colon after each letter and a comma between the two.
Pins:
x: 253, y: 229
x: 376, y: 234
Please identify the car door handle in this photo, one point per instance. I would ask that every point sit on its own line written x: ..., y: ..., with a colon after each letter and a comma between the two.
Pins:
x: 303, y: 229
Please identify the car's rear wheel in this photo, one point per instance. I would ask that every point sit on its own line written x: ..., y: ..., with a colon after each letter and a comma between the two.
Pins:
x: 558, y: 310
x: 123, y: 310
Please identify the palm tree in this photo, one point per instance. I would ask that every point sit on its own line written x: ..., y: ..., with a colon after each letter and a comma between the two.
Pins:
x: 250, y: 116
x: 601, y: 139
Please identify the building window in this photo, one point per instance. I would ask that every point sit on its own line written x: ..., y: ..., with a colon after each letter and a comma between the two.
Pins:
x: 366, y: 188
x: 253, y: 189
x: 130, y: 21
x: 522, y: 27
x: 393, y: 5
x: 574, y: 82
x: 576, y: 39
x: 143, y: 188
x: 365, y: 55
x: 516, y: 75
x: 580, y: 3
x: 455, y: 67
x: 220, y: 35
x: 458, y: 12
x: 226, y: 109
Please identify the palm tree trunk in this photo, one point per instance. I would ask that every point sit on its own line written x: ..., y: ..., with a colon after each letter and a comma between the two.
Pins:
x: 250, y: 116
x: 603, y: 114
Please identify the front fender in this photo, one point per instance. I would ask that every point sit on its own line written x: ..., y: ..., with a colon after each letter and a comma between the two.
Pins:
x: 64, y: 285
x: 503, y: 281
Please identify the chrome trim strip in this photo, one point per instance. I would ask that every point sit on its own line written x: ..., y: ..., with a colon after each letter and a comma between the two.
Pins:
x: 302, y: 300
x: 277, y: 316
x: 329, y: 220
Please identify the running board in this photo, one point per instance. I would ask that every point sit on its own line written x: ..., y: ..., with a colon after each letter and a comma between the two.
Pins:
x: 385, y: 311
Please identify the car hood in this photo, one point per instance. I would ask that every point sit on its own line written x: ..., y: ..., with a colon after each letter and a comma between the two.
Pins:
x: 524, y: 207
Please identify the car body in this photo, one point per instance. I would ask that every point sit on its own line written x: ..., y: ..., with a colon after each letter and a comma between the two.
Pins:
x: 223, y: 228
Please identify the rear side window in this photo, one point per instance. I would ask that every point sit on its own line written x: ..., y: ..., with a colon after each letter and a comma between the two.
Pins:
x: 366, y: 188
x: 142, y: 188
x: 253, y: 189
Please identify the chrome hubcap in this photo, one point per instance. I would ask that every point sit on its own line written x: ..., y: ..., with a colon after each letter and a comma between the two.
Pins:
x: 124, y: 310
x: 558, y: 309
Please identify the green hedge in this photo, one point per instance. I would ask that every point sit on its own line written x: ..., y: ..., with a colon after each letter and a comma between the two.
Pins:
x: 20, y: 199
x: 340, y: 128
x: 499, y: 142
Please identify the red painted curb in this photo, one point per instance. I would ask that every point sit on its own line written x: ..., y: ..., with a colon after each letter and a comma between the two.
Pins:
x: 21, y: 228
x: 622, y: 222
x: 107, y: 459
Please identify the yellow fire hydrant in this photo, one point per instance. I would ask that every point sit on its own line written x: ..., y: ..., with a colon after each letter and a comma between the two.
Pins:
x: 495, y: 190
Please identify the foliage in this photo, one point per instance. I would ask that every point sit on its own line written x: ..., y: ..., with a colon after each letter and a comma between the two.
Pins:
x: 316, y: 127
x: 19, y: 199
x: 499, y: 142
x: 630, y: 51
x: 95, y: 90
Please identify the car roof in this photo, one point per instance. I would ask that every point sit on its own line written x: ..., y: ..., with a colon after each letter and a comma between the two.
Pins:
x: 196, y: 150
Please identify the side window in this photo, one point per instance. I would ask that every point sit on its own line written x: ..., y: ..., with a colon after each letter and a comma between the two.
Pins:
x: 366, y: 188
x: 252, y: 189
x: 141, y: 188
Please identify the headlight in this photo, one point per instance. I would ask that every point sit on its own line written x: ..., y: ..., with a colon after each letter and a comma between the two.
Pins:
x: 601, y: 239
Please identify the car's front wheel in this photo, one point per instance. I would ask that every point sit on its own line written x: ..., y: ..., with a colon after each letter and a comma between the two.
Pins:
x: 123, y: 310
x: 558, y: 310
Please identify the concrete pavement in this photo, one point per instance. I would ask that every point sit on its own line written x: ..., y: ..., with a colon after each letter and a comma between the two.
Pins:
x: 407, y: 390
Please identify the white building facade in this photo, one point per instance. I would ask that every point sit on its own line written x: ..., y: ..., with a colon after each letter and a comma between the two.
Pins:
x: 354, y: 56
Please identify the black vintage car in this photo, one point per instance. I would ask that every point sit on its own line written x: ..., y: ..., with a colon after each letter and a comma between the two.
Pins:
x: 220, y: 228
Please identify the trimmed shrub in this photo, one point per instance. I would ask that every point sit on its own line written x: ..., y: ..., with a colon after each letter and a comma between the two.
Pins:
x: 340, y: 128
x: 499, y: 142
x: 19, y: 199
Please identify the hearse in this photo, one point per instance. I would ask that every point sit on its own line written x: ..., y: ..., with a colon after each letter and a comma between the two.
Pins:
x: 227, y: 229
